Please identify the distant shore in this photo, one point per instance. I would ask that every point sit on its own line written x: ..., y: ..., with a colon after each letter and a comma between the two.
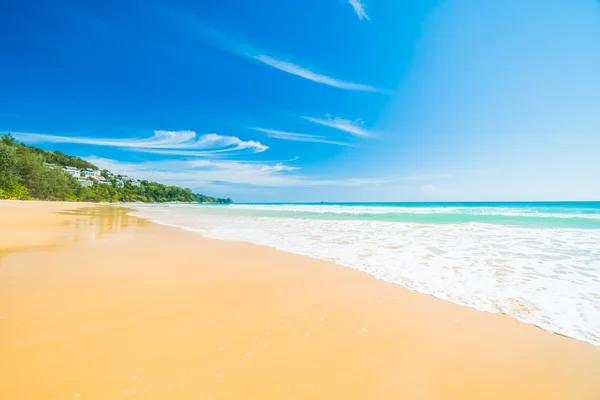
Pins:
x: 83, y: 203
x: 97, y: 304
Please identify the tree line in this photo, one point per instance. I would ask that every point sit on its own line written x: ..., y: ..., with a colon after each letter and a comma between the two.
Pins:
x: 24, y: 175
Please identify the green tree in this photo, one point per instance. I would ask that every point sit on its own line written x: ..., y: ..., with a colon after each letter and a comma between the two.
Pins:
x: 201, y: 198
x: 44, y: 183
x: 8, y: 159
x: 8, y: 139
x: 14, y: 191
x: 23, y: 175
x: 64, y: 160
x: 9, y: 186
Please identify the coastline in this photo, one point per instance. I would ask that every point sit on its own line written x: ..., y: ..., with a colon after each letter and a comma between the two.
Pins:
x: 532, y: 262
x: 100, y: 304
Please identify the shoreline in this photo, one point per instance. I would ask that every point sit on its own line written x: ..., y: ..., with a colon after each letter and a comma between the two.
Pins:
x: 239, y: 241
x: 157, y: 298
x: 426, y: 273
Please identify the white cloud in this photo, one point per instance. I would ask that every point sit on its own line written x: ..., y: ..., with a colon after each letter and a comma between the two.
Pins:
x: 182, y: 141
x: 200, y: 31
x: 198, y: 173
x: 298, y: 137
x: 297, y: 70
x: 359, y: 9
x: 429, y: 189
x: 346, y: 125
x: 203, y: 173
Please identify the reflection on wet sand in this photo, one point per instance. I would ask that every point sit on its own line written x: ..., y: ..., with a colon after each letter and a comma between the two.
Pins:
x: 91, y: 223
x: 62, y: 225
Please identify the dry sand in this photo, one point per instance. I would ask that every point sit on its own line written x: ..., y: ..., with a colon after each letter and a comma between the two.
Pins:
x: 95, y: 304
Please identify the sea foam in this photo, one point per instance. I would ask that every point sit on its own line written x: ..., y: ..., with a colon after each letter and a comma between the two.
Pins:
x: 546, y: 277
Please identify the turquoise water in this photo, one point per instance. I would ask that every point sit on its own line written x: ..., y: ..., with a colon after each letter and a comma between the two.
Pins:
x: 578, y: 215
x: 536, y: 262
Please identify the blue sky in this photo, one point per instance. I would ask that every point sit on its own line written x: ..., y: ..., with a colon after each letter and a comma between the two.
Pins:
x: 371, y: 100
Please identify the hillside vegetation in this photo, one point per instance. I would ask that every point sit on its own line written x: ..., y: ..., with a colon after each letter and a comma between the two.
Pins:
x: 25, y: 174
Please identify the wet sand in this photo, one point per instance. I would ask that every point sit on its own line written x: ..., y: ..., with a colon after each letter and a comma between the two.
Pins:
x: 96, y: 304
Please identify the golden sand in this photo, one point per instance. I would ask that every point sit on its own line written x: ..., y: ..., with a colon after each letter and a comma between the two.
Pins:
x: 95, y: 304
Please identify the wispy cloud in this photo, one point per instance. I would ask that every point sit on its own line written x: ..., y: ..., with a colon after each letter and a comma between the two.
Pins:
x: 429, y: 189
x: 198, y: 174
x: 198, y: 30
x: 178, y: 142
x: 298, y: 137
x: 297, y: 70
x: 354, y: 127
x: 359, y: 9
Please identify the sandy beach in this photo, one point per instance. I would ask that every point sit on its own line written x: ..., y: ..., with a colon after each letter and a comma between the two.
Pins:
x: 97, y: 304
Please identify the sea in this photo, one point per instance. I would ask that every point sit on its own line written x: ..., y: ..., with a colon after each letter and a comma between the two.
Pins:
x: 538, y: 262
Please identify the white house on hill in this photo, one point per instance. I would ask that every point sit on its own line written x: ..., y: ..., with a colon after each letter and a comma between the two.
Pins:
x: 85, y: 182
x: 102, y: 180
x: 72, y: 171
x: 90, y: 172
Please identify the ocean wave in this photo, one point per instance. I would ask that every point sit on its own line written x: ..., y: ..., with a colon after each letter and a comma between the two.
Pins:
x: 545, y: 277
x: 385, y: 210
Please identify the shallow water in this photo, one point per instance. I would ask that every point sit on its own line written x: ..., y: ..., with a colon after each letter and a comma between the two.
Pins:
x: 536, y: 262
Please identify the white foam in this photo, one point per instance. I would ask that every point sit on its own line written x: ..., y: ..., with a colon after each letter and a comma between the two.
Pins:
x: 546, y: 277
x: 377, y: 210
